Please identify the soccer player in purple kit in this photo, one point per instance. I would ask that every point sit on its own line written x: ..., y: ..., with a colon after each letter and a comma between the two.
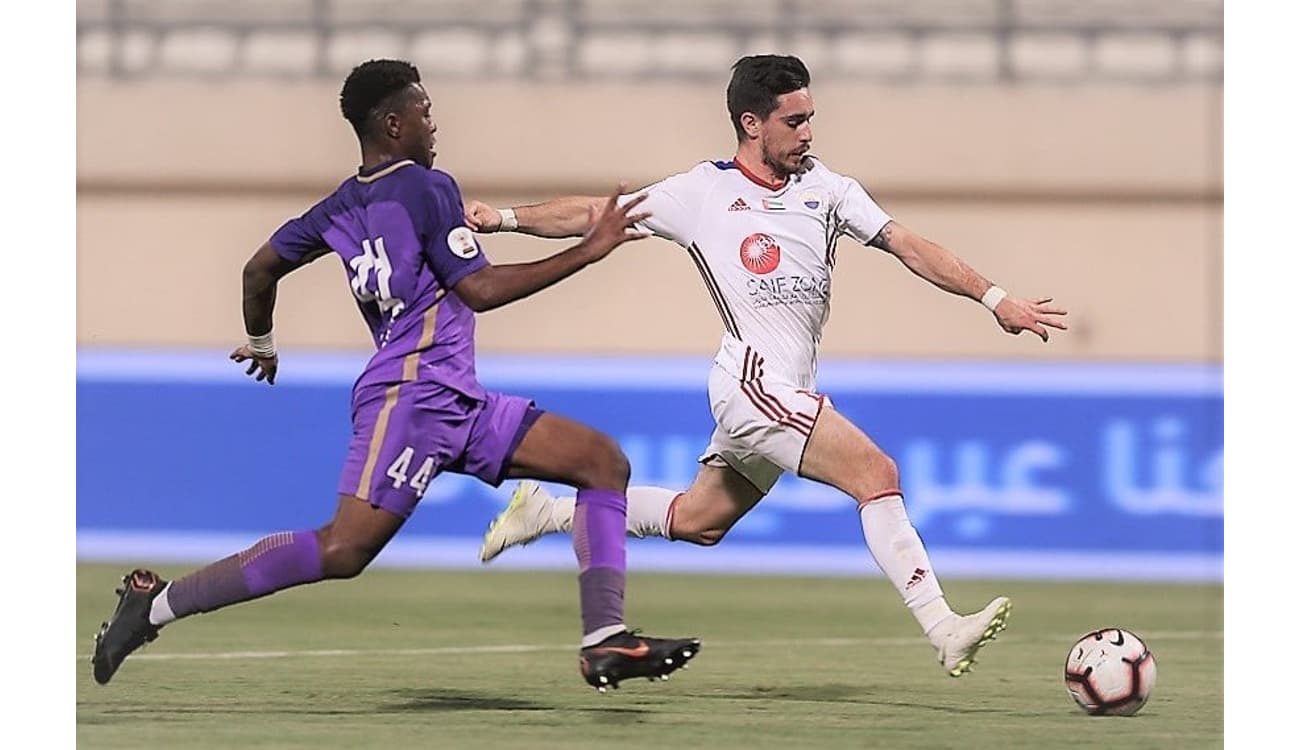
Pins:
x: 419, y: 276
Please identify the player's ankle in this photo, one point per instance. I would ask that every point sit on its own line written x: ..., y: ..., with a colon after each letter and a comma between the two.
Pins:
x: 932, y: 612
x: 940, y: 626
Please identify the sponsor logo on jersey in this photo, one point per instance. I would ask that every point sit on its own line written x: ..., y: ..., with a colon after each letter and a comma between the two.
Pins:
x: 461, y: 243
x: 811, y: 200
x: 739, y: 205
x: 767, y: 291
x: 760, y: 253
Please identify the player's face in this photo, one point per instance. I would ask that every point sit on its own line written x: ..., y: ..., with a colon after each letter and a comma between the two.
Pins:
x: 418, y: 129
x: 786, y: 135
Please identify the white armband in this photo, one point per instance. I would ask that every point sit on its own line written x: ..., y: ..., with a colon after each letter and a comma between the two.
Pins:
x: 262, y: 346
x: 992, y: 297
x: 509, y: 222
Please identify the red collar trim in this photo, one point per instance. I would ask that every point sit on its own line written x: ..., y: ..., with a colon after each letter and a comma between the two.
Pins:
x: 756, y: 179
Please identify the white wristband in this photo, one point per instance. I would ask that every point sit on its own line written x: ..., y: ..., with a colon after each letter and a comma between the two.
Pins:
x: 509, y: 222
x: 262, y: 346
x: 992, y: 297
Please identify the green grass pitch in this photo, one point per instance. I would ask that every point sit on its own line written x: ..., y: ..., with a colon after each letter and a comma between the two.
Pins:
x: 487, y: 659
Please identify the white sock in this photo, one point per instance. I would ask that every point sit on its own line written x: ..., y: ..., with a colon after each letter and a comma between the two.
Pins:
x: 160, y: 613
x: 898, y: 551
x: 647, y: 512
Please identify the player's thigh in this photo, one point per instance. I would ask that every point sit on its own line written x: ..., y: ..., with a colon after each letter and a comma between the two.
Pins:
x: 840, y: 454
x: 718, y: 498
x: 559, y: 449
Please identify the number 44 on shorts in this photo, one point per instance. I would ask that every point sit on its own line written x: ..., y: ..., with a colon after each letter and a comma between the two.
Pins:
x: 398, y: 469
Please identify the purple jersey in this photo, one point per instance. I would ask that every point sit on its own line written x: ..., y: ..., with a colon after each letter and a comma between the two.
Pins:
x: 399, y: 229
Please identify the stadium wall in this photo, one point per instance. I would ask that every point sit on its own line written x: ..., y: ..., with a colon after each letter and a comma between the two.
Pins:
x: 1107, y: 197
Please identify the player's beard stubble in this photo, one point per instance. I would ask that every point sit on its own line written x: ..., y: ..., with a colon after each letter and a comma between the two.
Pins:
x: 794, y: 162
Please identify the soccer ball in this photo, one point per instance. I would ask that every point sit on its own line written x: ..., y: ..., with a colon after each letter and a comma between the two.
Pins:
x: 1110, y: 673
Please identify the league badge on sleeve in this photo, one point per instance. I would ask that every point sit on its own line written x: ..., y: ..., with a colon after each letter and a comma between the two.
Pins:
x: 461, y: 242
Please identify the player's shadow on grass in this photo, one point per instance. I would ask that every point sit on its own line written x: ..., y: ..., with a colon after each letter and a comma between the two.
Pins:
x: 443, y: 699
x: 829, y: 693
x: 841, y: 693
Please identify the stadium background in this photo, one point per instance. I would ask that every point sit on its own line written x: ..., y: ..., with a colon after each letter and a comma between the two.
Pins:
x: 1070, y: 149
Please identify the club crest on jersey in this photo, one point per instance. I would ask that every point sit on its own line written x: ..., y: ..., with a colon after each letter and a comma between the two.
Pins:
x: 760, y: 253
x: 811, y: 200
x: 461, y: 242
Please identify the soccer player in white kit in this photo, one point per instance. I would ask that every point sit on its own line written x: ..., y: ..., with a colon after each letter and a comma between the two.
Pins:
x: 762, y: 230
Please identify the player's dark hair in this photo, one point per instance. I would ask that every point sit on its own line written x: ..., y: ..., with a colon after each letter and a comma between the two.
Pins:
x: 756, y: 82
x: 369, y: 90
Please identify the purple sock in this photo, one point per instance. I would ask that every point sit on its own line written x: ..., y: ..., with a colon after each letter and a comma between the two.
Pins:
x: 599, y: 541
x: 276, y: 562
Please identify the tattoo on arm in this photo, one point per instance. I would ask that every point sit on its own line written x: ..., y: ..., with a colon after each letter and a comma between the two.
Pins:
x: 884, y: 238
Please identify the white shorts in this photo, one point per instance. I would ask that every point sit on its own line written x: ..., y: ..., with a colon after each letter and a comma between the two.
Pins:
x: 763, y: 424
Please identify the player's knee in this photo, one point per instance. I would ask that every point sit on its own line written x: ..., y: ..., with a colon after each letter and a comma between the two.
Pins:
x: 608, y: 467
x: 889, y: 470
x: 344, y: 562
x: 881, y: 474
x: 342, y: 558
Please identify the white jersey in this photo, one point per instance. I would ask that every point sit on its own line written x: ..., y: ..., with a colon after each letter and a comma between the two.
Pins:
x: 765, y: 253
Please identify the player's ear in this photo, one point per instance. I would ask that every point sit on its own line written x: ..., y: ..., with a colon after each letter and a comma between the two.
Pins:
x: 751, y: 124
x: 392, y: 125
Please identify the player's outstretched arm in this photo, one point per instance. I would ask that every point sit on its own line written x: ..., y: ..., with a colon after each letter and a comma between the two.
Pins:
x: 945, y: 270
x: 611, y: 226
x: 562, y: 217
x: 262, y: 274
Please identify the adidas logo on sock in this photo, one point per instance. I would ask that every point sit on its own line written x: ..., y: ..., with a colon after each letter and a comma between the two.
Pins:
x: 739, y: 205
x: 918, y: 575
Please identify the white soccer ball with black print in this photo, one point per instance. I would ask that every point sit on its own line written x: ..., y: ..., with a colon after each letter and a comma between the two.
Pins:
x: 1110, y: 673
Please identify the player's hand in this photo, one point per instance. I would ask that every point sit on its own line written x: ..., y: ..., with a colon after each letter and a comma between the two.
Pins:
x: 264, y: 367
x: 614, y: 224
x: 482, y: 218
x: 1016, y: 315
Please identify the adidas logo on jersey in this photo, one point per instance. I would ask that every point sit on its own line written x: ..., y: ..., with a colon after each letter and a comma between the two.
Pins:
x: 918, y: 575
x: 739, y: 205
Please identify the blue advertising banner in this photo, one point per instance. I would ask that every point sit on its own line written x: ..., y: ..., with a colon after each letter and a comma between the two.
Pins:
x: 1022, y: 470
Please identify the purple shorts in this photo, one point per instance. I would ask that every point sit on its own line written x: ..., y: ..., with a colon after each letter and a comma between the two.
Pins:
x: 404, y: 436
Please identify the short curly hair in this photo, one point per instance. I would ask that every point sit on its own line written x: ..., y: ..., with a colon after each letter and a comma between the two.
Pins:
x: 370, y: 85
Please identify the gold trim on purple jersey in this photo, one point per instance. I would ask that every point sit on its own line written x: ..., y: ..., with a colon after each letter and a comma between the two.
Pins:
x: 385, y: 171
x: 411, y: 365
x: 410, y: 369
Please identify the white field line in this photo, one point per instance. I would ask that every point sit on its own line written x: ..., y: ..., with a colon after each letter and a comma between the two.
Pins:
x: 521, y: 648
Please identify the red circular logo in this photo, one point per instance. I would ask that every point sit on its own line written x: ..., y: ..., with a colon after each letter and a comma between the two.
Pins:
x: 760, y: 253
